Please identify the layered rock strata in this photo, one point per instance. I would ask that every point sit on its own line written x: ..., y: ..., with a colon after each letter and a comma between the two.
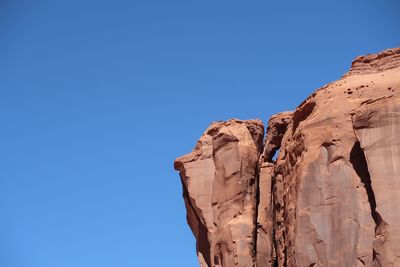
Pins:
x: 321, y: 189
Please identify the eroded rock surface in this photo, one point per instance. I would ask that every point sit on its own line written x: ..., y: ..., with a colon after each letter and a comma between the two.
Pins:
x: 377, y: 127
x: 219, y: 180
x: 332, y: 195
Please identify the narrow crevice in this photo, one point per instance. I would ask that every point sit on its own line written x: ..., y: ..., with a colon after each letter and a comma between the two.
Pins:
x: 257, y: 196
x: 360, y: 166
x: 277, y: 128
x: 273, y: 244
x: 257, y: 203
x: 357, y: 159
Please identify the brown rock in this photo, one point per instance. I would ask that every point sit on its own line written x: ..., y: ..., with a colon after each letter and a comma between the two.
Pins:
x: 330, y: 198
x: 219, y: 180
x: 277, y: 126
x: 265, y: 255
x: 377, y: 127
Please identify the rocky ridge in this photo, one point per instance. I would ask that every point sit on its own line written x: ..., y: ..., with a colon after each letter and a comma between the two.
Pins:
x: 330, y: 197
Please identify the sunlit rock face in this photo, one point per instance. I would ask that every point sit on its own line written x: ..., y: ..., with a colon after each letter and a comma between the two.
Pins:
x: 219, y: 181
x: 322, y: 188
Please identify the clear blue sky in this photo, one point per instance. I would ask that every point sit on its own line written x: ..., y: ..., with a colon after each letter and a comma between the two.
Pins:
x: 97, y: 98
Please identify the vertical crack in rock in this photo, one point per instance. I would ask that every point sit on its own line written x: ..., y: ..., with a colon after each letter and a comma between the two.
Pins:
x: 357, y: 159
x: 258, y: 140
x: 255, y: 218
x: 376, y: 124
x: 360, y: 166
x: 277, y: 127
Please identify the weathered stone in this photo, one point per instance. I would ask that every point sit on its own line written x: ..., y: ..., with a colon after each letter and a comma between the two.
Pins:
x: 377, y: 127
x: 219, y: 180
x: 264, y: 245
x: 331, y: 196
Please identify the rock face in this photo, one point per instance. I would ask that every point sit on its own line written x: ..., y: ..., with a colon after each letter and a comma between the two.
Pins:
x: 220, y: 185
x: 331, y: 196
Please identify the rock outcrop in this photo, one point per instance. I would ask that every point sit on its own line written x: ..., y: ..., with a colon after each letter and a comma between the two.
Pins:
x: 220, y: 187
x: 321, y: 189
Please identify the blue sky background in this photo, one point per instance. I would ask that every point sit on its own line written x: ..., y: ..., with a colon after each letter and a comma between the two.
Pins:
x: 97, y: 98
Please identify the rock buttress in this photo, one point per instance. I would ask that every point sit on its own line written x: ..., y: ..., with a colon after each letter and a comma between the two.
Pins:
x: 219, y: 179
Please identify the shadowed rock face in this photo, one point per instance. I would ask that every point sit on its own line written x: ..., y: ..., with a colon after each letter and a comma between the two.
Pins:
x: 332, y: 195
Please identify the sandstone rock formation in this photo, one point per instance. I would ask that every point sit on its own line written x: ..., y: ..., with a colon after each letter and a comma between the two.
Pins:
x: 331, y: 197
x: 219, y: 183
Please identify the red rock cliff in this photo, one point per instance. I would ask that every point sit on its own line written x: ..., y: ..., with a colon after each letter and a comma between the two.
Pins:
x: 331, y: 197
